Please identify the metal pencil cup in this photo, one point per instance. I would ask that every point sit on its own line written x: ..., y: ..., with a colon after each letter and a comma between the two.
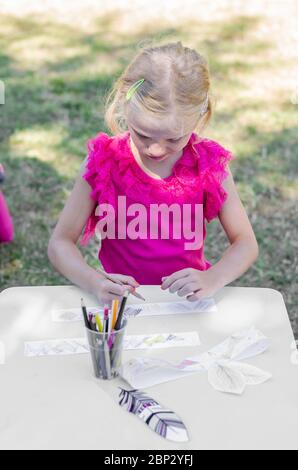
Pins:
x: 106, y: 352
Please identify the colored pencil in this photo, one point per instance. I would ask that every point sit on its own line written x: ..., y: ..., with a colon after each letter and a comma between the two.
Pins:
x: 93, y: 323
x: 99, y: 324
x: 84, y: 310
x: 115, y: 311
x: 106, y: 319
x: 90, y: 319
x: 121, y: 311
x: 110, y: 323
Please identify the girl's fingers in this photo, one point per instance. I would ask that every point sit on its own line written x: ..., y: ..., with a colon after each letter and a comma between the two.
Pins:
x: 111, y: 291
x: 193, y: 298
x: 107, y: 300
x: 179, y: 284
x: 182, y: 283
x: 174, y: 277
x: 201, y: 294
x: 103, y: 301
x: 128, y: 280
x: 110, y: 287
x: 189, y: 288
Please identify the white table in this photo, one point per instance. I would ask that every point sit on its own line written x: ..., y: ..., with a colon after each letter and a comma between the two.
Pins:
x: 55, y: 403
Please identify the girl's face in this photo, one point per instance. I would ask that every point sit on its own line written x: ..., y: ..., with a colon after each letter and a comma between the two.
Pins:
x: 157, y: 145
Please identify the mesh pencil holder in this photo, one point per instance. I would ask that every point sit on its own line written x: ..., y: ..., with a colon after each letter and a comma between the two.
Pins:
x: 106, y: 352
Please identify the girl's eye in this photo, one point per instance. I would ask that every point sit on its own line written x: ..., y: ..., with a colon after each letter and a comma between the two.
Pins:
x: 171, y: 140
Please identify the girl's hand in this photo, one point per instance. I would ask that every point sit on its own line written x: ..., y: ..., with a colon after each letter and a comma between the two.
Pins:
x: 192, y: 283
x: 122, y: 279
x: 107, y: 290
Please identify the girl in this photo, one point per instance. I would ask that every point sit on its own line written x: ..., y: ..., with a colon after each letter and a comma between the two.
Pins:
x: 156, y: 159
x: 6, y: 223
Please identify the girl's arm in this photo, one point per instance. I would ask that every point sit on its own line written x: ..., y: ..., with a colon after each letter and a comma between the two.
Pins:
x: 235, y: 261
x: 244, y: 249
x: 64, y: 253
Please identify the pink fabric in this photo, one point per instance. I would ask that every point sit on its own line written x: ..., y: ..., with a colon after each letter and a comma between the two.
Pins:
x: 6, y: 224
x: 113, y: 171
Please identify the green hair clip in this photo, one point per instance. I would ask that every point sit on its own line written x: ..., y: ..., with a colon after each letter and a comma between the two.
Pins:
x: 133, y: 88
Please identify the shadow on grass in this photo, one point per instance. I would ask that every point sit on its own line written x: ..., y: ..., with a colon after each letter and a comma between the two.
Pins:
x: 54, y: 94
x: 263, y: 177
x: 35, y: 194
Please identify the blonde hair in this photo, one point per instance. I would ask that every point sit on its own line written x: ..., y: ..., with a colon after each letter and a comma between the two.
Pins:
x: 177, y: 81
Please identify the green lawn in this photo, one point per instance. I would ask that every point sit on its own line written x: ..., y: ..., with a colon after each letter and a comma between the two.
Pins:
x: 56, y: 77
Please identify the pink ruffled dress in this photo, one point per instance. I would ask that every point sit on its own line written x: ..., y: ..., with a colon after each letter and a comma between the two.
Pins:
x: 112, y: 171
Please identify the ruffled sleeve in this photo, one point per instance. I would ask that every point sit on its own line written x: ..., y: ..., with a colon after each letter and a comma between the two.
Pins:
x: 214, y: 159
x: 97, y: 175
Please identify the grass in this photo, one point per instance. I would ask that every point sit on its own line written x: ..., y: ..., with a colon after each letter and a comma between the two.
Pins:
x: 56, y: 76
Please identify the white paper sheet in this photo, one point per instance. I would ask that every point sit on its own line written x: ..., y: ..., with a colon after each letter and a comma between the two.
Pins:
x: 56, y: 347
x: 68, y: 346
x: 171, y: 308
x: 224, y: 372
x: 162, y: 341
x: 147, y: 309
x: 69, y: 315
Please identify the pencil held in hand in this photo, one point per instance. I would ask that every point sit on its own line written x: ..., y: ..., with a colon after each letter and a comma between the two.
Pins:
x: 138, y: 296
x: 121, y: 311
x: 121, y: 283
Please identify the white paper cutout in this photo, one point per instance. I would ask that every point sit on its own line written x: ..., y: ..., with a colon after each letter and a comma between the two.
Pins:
x: 148, y: 309
x: 225, y: 378
x: 232, y: 377
x: 253, y: 375
x: 225, y: 373
x: 161, y: 420
x: 242, y: 345
x: 146, y: 372
x: 63, y: 347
